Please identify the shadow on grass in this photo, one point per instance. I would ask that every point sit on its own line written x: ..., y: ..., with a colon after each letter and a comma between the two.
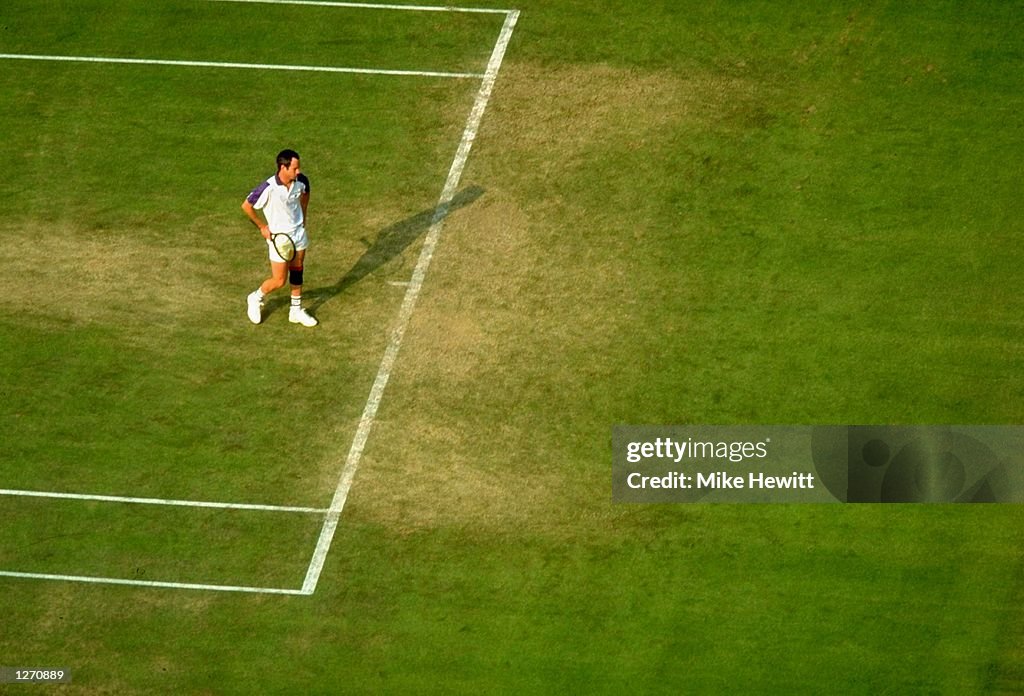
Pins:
x: 390, y: 242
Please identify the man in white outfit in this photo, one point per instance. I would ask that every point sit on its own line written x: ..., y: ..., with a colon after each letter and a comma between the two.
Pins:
x: 282, y: 199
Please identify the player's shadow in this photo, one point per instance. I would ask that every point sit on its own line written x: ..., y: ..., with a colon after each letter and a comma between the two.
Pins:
x: 390, y: 243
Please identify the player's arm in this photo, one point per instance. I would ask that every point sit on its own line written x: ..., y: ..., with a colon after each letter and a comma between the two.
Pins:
x: 250, y: 212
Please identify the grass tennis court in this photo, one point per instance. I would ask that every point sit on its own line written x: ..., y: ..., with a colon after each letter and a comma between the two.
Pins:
x: 672, y: 213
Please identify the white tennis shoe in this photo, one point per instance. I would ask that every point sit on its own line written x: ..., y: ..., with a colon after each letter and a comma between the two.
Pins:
x: 254, y: 309
x: 298, y: 315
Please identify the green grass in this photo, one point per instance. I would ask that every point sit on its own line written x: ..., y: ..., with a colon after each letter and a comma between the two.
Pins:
x: 674, y: 213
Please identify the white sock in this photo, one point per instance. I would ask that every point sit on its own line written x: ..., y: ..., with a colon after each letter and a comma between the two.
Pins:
x: 259, y: 294
x: 296, y: 301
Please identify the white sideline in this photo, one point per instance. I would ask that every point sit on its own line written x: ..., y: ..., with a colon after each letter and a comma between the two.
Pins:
x: 159, y: 501
x: 387, y: 363
x: 374, y: 6
x: 236, y: 66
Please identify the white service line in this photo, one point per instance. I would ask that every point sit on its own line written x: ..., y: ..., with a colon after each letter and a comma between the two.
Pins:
x: 387, y: 363
x: 152, y: 583
x: 160, y: 501
x: 373, y: 6
x: 237, y: 66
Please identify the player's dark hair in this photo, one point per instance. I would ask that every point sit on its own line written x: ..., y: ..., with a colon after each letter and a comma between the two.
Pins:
x: 285, y: 157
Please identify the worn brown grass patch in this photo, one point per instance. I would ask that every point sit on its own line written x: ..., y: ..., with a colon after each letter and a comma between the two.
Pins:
x: 515, y: 312
x: 561, y: 112
x: 99, y: 279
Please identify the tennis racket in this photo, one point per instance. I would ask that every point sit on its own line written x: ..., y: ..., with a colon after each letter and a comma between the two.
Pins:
x: 284, y: 246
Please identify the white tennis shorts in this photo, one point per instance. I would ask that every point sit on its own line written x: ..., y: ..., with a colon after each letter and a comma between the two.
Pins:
x: 298, y: 236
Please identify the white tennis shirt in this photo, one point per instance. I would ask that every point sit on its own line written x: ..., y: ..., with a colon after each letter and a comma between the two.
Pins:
x: 279, y: 203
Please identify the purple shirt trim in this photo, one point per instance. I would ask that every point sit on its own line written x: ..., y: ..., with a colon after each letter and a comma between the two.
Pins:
x: 257, y: 192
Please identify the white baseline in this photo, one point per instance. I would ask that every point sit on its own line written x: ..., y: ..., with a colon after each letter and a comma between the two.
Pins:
x: 159, y: 501
x: 151, y: 583
x: 237, y: 66
x: 375, y: 6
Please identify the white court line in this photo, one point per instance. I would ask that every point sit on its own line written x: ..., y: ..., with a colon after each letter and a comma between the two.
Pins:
x: 152, y: 583
x: 387, y: 363
x: 160, y: 501
x: 374, y: 6
x: 237, y: 66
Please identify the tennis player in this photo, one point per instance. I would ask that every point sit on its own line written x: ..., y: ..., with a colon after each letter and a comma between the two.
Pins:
x: 282, y: 199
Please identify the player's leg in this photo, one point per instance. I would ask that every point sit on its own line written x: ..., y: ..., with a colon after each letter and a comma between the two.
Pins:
x: 277, y: 279
x: 278, y: 276
x: 298, y: 315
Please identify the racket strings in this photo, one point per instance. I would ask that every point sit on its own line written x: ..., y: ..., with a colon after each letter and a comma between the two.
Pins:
x: 285, y: 246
